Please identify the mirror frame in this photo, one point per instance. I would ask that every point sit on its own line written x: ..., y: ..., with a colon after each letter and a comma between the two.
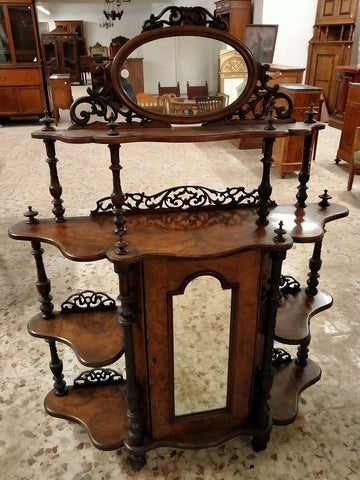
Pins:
x: 180, y: 31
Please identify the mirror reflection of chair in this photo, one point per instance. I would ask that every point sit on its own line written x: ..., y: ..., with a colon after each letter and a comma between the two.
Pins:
x: 210, y: 103
x: 196, y: 90
x: 166, y: 90
x: 355, y: 161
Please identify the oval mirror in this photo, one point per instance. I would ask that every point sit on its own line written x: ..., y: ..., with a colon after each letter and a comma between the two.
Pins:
x: 181, y: 75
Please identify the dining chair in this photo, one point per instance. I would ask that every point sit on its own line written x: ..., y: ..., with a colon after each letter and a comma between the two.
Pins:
x: 196, y: 90
x: 166, y: 90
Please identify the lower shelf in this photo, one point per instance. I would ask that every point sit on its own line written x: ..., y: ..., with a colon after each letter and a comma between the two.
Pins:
x: 289, y: 381
x: 101, y: 410
x: 294, y: 314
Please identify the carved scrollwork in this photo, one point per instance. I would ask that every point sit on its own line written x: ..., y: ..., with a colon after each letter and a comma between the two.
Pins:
x: 289, y: 285
x: 185, y: 15
x: 101, y: 102
x: 280, y: 357
x: 88, y: 300
x: 98, y: 376
x: 183, y: 198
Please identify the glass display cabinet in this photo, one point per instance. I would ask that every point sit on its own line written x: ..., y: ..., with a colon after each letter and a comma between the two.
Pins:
x: 21, y: 81
x: 202, y: 296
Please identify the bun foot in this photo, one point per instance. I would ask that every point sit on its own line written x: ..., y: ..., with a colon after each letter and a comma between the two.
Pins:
x: 260, y: 443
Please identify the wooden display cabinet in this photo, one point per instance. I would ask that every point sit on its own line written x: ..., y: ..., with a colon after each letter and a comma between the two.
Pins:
x: 344, y: 75
x: 351, y: 121
x: 287, y: 151
x: 237, y: 14
x: 71, y: 26
x: 21, y: 80
x: 61, y: 53
x: 163, y: 247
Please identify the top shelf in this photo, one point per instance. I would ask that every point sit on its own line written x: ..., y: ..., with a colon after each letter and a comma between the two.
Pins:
x: 134, y: 133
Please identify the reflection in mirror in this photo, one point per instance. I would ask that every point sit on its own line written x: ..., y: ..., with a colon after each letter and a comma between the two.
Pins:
x: 183, y: 59
x: 201, y: 331
x: 233, y: 74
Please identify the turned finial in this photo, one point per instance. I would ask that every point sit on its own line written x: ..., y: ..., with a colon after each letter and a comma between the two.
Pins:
x: 270, y: 118
x: 112, y: 125
x: 30, y: 214
x: 280, y: 232
x: 310, y: 114
x: 47, y: 120
x: 324, y: 199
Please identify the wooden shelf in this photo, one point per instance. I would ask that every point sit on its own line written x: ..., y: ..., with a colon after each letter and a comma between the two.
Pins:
x: 96, y: 337
x: 294, y: 314
x: 193, y: 234
x: 100, y: 410
x: 182, y: 234
x: 289, y: 381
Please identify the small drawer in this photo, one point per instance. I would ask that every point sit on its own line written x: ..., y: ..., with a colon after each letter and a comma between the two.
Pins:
x: 21, y: 76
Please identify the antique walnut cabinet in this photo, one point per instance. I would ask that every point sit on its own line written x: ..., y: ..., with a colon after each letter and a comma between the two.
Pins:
x: 22, y: 85
x: 197, y: 380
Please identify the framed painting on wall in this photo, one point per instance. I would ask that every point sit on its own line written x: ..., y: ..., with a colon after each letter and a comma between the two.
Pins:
x: 261, y: 40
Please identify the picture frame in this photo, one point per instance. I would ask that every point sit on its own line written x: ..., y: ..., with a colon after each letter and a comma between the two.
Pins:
x: 261, y: 40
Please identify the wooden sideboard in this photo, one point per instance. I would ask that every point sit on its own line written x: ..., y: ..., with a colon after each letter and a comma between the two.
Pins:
x: 236, y: 13
x: 22, y: 89
x: 60, y: 92
x: 351, y: 121
x: 287, y: 151
x: 285, y: 74
x: 344, y: 75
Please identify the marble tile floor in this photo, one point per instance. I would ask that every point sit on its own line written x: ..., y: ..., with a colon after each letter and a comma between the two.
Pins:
x: 324, y: 441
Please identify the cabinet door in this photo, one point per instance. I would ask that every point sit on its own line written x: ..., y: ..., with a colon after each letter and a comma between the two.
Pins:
x: 202, y: 360
x: 22, y: 100
x: 336, y: 11
x: 23, y: 34
x: 324, y: 57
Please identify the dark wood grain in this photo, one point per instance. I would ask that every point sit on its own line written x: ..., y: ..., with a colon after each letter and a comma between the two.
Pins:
x: 96, y: 337
x: 289, y: 381
x: 101, y: 410
x: 294, y: 314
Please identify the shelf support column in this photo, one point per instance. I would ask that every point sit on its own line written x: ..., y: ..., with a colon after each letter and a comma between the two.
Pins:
x: 56, y: 367
x: 117, y: 199
x: 55, y: 187
x: 127, y: 319
x: 265, y: 188
x: 43, y: 284
x: 272, y: 301
x: 314, y: 265
x: 304, y: 174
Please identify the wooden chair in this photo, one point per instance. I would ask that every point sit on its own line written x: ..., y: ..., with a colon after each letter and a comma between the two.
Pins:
x: 355, y: 161
x: 208, y: 104
x: 196, y: 90
x: 166, y: 90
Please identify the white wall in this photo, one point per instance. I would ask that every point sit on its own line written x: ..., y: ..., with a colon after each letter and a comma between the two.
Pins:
x: 295, y: 19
